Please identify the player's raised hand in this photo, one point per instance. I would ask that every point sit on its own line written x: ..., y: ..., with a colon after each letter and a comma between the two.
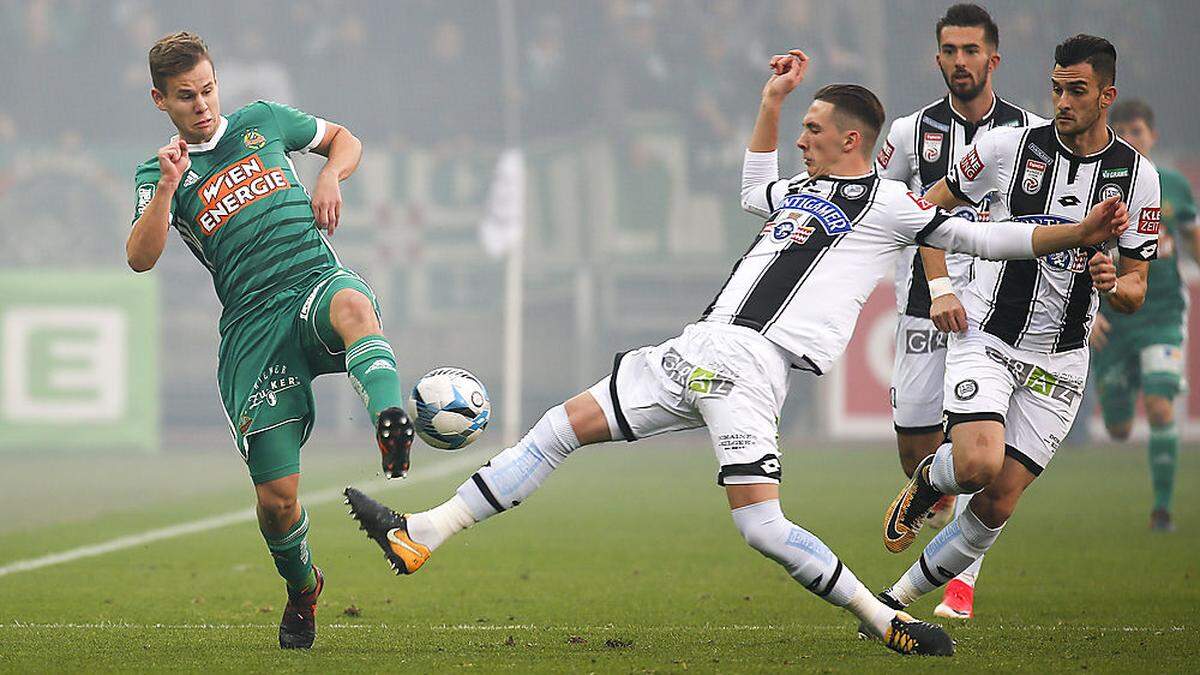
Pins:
x: 787, y: 72
x: 1103, y: 271
x: 1104, y: 221
x: 327, y: 202
x: 172, y: 162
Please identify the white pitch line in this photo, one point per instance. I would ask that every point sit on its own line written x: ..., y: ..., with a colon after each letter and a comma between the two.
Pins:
x: 214, y: 522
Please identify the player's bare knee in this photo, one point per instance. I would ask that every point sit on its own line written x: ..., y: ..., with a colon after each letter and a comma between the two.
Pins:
x: 1120, y: 432
x: 977, y: 470
x: 587, y: 419
x: 914, y: 448
x: 1160, y: 411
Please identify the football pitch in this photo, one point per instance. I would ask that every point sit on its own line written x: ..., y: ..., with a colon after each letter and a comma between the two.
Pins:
x: 626, y: 561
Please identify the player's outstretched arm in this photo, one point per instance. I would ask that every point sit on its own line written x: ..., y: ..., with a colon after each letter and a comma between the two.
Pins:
x: 945, y: 309
x: 343, y: 151
x: 148, y: 237
x: 1006, y: 240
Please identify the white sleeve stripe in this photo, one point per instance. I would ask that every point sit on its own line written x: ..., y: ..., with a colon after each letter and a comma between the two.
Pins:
x: 317, y: 137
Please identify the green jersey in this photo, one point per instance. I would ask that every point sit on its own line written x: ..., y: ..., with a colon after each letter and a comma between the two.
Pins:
x: 1166, y: 295
x: 241, y: 209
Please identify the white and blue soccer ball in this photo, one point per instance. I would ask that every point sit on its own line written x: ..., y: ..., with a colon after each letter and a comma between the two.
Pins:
x: 449, y: 408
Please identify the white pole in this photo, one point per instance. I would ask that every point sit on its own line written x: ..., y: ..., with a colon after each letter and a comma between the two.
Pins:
x: 514, y: 291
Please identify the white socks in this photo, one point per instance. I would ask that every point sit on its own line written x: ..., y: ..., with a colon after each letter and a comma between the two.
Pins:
x: 971, y: 574
x: 504, y: 482
x: 941, y: 471
x: 806, y: 558
x: 953, y: 550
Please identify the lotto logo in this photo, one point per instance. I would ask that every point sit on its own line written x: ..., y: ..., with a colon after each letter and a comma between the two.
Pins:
x: 885, y: 154
x: 1149, y: 220
x: 971, y: 166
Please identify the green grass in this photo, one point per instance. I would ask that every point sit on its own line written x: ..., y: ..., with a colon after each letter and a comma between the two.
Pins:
x: 626, y: 561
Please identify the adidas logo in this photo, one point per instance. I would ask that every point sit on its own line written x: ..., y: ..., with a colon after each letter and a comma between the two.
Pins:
x: 191, y: 179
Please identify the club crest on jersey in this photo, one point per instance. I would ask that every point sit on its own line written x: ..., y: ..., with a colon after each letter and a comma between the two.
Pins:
x: 1074, y: 260
x: 192, y: 179
x: 832, y: 219
x: 885, y: 154
x: 253, y: 140
x: 1031, y: 180
x: 853, y: 190
x: 931, y: 146
x: 1111, y: 190
x: 1149, y: 220
x: 234, y: 187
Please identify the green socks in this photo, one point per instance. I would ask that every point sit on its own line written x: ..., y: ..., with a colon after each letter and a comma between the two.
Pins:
x: 371, y: 365
x: 292, y: 556
x: 1164, y: 456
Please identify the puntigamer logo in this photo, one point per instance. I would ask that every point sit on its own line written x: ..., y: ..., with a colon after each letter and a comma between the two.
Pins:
x: 237, y: 185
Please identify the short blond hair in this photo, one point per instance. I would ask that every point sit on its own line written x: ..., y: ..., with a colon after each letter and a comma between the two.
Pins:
x: 174, y: 54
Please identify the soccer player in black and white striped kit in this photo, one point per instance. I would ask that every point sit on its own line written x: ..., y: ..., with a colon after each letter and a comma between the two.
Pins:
x: 789, y: 305
x: 918, y: 150
x: 1015, y: 377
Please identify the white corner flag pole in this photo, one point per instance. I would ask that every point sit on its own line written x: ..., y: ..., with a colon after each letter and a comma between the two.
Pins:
x: 514, y: 292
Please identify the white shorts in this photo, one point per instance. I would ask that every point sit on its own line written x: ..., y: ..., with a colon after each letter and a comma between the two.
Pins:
x: 918, y: 376
x: 1036, y: 396
x: 728, y: 378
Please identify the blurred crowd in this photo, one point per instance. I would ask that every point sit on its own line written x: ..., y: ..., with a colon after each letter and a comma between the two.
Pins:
x: 428, y: 73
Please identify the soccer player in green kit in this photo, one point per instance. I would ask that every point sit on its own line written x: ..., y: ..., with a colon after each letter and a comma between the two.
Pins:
x: 290, y: 310
x: 1146, y: 352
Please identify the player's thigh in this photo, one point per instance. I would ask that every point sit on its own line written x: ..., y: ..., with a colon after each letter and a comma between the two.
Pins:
x: 1117, y: 375
x: 638, y: 400
x: 265, y: 380
x: 918, y: 374
x: 977, y: 393
x: 274, y: 462
x: 1162, y: 368
x: 318, y: 333
x: 1045, y: 408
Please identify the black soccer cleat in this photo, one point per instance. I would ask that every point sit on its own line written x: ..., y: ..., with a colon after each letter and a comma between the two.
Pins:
x: 907, y: 635
x: 389, y: 530
x: 394, y: 433
x: 907, y: 513
x: 298, y: 628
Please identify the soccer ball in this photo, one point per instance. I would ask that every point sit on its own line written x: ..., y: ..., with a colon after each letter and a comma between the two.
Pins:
x: 449, y: 408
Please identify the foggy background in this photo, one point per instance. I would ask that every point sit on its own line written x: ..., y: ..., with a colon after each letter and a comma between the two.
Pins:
x: 633, y: 119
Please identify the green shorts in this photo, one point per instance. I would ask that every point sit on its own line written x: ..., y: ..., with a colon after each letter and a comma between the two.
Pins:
x: 1147, y: 361
x: 267, y: 362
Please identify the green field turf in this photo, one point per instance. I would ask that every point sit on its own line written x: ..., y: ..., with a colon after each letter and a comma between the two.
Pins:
x: 626, y: 561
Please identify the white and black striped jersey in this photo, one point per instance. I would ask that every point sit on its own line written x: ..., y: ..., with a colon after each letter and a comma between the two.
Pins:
x: 918, y: 151
x: 1047, y: 305
x: 825, y: 245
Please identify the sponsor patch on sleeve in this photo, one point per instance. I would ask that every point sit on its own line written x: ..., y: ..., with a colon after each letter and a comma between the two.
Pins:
x: 885, y: 154
x: 921, y: 202
x: 1149, y: 220
x: 970, y: 165
x: 145, y: 193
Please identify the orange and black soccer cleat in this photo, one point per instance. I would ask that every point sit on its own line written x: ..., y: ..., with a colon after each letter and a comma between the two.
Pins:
x: 906, y: 515
x: 390, y: 530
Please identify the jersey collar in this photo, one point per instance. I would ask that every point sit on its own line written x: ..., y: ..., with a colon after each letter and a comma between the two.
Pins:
x: 963, y: 121
x: 1094, y: 157
x: 210, y: 143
